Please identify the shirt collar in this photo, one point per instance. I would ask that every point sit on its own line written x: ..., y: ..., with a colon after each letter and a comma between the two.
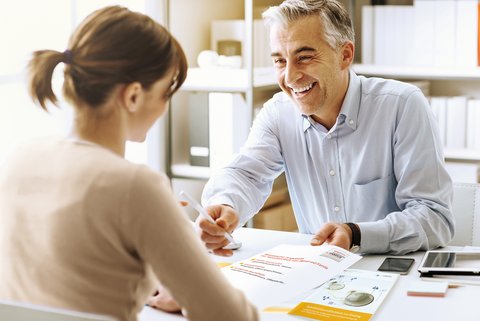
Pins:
x: 307, y: 122
x: 350, y: 107
x: 351, y: 103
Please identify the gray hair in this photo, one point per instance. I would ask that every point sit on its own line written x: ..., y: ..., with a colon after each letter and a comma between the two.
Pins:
x: 336, y: 20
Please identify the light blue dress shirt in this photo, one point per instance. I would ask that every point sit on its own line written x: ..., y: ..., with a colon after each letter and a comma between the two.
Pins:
x: 381, y: 166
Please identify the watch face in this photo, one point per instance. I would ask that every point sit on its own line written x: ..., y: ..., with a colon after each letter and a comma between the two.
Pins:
x: 355, y: 249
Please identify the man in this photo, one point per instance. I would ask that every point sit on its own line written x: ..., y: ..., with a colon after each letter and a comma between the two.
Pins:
x: 362, y: 157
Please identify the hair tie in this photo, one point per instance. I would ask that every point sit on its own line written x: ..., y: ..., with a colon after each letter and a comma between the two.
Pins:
x: 67, y: 57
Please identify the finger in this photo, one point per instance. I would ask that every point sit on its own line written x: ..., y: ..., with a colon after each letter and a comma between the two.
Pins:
x: 315, y: 241
x: 223, y: 215
x: 163, y: 302
x: 223, y: 252
x: 222, y: 223
x: 210, y: 228
x: 208, y: 238
x: 340, y: 242
x: 217, y: 245
x: 340, y: 238
x: 169, y: 306
x: 228, y: 221
x: 152, y: 301
x: 323, y: 235
x: 215, y: 211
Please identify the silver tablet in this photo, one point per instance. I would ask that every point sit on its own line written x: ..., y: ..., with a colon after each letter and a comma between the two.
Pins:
x: 450, y: 262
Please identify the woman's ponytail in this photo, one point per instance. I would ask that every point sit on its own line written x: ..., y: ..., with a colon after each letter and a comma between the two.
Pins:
x: 40, y: 71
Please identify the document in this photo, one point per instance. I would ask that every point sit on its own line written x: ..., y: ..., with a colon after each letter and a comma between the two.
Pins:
x: 351, y: 295
x: 287, y: 271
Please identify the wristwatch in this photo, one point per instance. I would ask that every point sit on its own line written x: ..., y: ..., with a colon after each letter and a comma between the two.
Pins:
x: 356, y: 237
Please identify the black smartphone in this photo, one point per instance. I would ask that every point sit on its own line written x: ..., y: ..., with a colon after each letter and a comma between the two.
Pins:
x: 397, y: 264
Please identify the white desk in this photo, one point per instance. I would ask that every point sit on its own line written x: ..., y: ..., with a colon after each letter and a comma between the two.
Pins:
x: 458, y: 304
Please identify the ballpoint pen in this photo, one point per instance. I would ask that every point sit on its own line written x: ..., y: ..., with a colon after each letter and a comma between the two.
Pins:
x: 192, y: 202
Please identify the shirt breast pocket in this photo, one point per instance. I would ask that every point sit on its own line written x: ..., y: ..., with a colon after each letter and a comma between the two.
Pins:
x: 372, y: 201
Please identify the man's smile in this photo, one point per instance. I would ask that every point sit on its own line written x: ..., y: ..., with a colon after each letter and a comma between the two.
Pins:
x: 300, y: 91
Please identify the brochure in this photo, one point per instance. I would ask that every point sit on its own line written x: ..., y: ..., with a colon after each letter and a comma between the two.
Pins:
x: 287, y: 271
x: 351, y: 295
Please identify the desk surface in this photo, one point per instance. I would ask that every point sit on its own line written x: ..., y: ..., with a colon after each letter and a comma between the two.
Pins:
x: 458, y: 304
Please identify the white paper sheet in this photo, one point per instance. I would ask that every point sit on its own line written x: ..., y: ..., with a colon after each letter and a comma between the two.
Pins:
x: 350, y: 295
x: 286, y: 271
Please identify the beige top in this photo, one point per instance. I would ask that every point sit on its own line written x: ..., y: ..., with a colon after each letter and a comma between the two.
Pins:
x: 82, y: 228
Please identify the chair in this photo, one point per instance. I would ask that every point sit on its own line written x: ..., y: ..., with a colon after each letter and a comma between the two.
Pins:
x: 466, y: 210
x: 13, y: 311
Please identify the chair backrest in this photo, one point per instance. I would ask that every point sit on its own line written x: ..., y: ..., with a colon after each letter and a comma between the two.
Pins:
x: 13, y: 311
x: 466, y: 210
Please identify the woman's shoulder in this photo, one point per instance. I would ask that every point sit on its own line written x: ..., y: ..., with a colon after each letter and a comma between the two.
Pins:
x: 124, y: 173
x: 145, y: 173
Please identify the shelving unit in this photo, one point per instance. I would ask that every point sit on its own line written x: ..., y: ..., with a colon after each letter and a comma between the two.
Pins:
x: 247, y: 81
x: 462, y: 155
x: 444, y: 82
x: 225, y: 81
x: 251, y: 82
x: 190, y: 22
x: 408, y: 72
x: 228, y: 80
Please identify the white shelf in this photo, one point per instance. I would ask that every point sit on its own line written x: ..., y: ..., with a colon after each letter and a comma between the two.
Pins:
x: 187, y: 170
x: 462, y: 154
x: 409, y: 72
x: 227, y: 80
x: 454, y: 81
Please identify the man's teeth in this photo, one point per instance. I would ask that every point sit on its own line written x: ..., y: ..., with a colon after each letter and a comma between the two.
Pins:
x: 302, y: 89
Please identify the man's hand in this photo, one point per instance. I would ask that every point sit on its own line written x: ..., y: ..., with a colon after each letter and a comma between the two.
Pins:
x: 213, y: 235
x: 162, y: 300
x: 338, y: 234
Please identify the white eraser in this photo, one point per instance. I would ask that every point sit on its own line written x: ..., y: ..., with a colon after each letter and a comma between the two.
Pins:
x: 425, y: 288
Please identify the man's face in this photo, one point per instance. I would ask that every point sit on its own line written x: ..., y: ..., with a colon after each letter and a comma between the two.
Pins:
x: 313, y: 74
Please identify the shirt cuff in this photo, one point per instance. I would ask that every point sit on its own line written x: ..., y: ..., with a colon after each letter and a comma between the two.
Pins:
x: 217, y: 200
x: 375, y: 237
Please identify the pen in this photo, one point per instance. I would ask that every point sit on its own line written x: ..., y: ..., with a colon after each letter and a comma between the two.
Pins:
x: 204, y: 213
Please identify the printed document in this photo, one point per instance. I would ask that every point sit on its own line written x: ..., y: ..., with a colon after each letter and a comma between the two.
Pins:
x: 351, y: 295
x: 287, y: 271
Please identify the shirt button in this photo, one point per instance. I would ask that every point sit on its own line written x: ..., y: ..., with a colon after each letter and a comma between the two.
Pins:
x: 350, y: 121
x: 336, y: 208
x: 329, y: 136
x: 331, y: 172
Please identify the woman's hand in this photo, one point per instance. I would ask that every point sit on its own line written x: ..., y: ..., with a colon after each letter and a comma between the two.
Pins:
x: 163, y: 300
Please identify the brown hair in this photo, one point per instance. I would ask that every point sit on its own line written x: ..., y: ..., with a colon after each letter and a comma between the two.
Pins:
x: 335, y: 18
x: 111, y: 46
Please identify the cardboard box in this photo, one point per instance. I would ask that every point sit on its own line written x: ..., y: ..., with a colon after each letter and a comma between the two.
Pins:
x: 279, y: 217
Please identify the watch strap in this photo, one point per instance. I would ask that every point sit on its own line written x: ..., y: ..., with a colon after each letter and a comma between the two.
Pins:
x: 356, y: 235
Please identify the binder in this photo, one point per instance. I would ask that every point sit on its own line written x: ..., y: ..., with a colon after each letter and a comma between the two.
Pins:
x: 456, y: 122
x: 466, y: 49
x: 198, y: 131
x: 229, y: 123
x: 444, y: 36
x: 368, y: 27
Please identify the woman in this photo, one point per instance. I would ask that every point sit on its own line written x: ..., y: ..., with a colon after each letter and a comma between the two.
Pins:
x: 84, y: 229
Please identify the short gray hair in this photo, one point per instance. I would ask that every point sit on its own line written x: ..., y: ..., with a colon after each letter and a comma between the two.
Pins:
x: 336, y: 20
